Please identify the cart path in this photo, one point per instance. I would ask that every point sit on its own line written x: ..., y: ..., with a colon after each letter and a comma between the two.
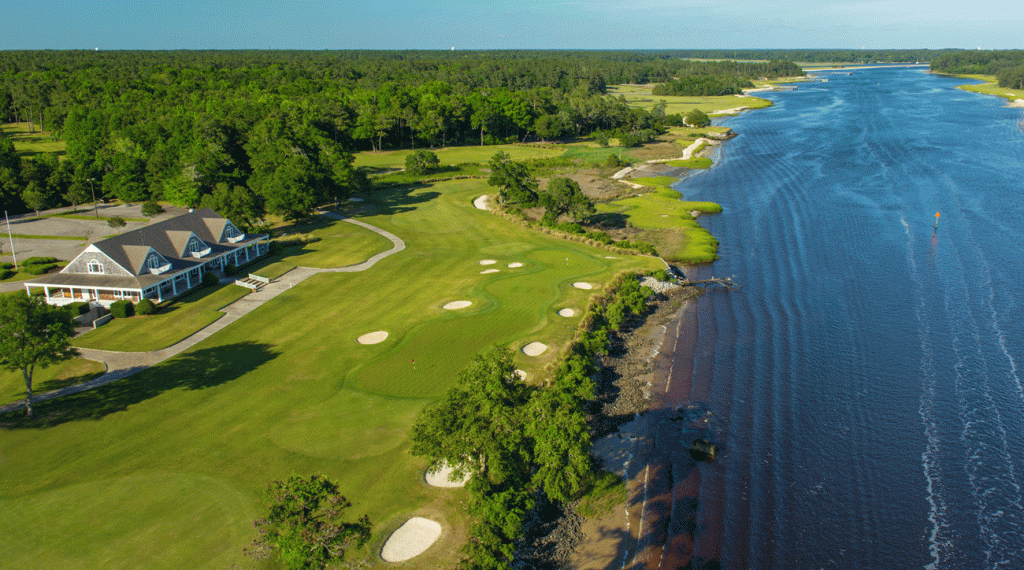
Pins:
x: 123, y: 364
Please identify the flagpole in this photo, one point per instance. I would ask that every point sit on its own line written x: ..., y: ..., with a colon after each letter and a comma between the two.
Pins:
x: 11, y: 236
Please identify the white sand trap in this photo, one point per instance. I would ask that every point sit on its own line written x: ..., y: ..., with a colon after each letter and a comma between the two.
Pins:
x: 486, y: 271
x: 535, y: 349
x: 567, y: 313
x: 488, y: 261
x: 514, y: 265
x: 582, y: 285
x: 610, y: 257
x: 521, y: 374
x: 455, y: 305
x: 373, y: 338
x: 440, y: 478
x: 411, y: 539
x: 480, y: 203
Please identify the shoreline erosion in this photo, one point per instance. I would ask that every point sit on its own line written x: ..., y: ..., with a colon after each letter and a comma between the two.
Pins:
x: 656, y: 525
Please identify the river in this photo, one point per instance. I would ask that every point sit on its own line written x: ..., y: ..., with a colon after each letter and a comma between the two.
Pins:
x: 866, y: 384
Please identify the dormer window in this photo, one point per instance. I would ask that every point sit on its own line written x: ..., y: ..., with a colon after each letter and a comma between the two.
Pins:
x: 154, y: 262
x: 95, y: 267
x: 197, y: 248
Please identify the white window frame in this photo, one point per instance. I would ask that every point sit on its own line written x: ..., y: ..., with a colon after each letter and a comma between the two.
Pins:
x: 94, y: 266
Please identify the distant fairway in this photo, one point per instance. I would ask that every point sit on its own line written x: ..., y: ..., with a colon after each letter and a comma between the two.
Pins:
x: 456, y: 155
x: 32, y: 144
x: 166, y: 469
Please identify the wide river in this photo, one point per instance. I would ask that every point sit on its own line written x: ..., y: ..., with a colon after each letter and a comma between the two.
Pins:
x: 867, y: 382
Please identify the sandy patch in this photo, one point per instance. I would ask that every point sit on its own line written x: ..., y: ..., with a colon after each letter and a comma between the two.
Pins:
x: 515, y: 264
x: 521, y: 374
x: 688, y: 151
x: 582, y: 285
x: 535, y: 349
x: 456, y: 305
x: 480, y: 203
x: 1016, y: 103
x: 488, y: 261
x: 441, y: 477
x: 610, y: 257
x: 411, y: 539
x: 373, y: 338
x: 567, y: 313
x: 486, y: 271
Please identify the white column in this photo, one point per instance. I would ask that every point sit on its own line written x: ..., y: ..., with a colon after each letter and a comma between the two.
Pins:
x: 174, y: 286
x: 46, y: 290
x: 247, y: 254
x: 188, y: 279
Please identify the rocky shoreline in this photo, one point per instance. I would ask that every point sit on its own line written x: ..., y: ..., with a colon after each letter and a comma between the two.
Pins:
x: 623, y: 392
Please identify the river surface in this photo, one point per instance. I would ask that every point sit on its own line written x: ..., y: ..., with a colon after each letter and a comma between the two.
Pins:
x: 867, y: 383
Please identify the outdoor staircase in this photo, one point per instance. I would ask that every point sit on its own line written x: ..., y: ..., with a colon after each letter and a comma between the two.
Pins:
x: 254, y: 282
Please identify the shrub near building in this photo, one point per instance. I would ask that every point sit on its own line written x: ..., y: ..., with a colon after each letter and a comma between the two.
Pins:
x: 122, y: 309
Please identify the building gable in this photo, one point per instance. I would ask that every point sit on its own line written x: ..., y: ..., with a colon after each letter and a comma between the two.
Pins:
x: 93, y: 261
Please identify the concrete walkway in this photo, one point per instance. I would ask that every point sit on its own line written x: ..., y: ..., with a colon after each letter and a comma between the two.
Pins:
x: 123, y: 364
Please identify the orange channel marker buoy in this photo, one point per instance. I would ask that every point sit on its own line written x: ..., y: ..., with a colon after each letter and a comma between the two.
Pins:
x: 937, y: 220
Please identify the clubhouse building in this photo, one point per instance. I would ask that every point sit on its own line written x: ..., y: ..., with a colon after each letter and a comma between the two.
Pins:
x: 159, y: 261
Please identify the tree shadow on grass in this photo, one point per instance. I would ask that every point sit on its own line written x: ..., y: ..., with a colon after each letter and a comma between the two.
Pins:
x: 195, y: 370
x: 391, y: 201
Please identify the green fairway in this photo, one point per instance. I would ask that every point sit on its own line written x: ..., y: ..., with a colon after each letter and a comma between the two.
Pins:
x: 31, y: 144
x: 55, y: 377
x: 662, y: 214
x: 166, y: 468
x: 340, y: 244
x: 456, y: 155
x: 640, y: 96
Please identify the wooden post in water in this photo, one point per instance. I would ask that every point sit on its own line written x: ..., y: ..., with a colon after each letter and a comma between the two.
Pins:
x: 937, y: 221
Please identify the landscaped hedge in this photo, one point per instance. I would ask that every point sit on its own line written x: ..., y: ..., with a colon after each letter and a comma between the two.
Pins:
x: 230, y: 270
x: 39, y: 269
x: 145, y: 307
x: 210, y: 280
x: 77, y: 308
x: 122, y: 309
x: 39, y: 261
x: 5, y: 273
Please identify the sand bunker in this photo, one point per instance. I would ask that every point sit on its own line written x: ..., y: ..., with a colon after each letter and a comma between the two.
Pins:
x: 480, y: 203
x: 486, y: 271
x: 411, y: 539
x: 535, y: 349
x: 455, y: 305
x: 521, y: 374
x: 514, y: 265
x: 487, y: 262
x: 373, y: 338
x: 440, y: 478
x: 567, y: 313
x: 582, y: 285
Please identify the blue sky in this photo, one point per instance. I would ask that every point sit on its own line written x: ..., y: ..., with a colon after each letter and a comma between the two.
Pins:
x: 506, y: 24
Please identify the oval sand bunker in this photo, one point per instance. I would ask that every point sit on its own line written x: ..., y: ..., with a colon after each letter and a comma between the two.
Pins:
x: 455, y: 305
x: 535, y: 349
x: 373, y: 338
x: 515, y: 264
x: 567, y: 313
x: 582, y: 285
x: 440, y: 478
x: 488, y: 261
x: 411, y: 539
x: 486, y: 271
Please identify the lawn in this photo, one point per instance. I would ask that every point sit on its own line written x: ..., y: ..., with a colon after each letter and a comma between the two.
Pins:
x: 456, y: 155
x: 31, y: 144
x: 174, y: 321
x: 166, y: 469
x: 55, y: 377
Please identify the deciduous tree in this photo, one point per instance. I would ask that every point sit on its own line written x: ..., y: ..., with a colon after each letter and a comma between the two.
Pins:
x: 303, y: 526
x: 32, y: 333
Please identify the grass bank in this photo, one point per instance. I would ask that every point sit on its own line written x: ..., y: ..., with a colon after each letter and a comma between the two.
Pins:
x: 30, y: 144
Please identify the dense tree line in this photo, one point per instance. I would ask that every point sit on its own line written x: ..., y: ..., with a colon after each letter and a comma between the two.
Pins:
x: 248, y: 131
x: 1007, y: 66
x: 866, y: 56
x: 523, y: 442
x: 702, y: 86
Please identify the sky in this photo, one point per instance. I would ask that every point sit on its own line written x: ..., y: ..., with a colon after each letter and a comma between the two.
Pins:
x: 508, y: 24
